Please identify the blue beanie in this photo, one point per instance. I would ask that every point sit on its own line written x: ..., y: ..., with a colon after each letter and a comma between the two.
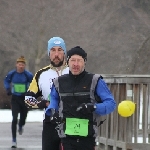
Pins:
x: 56, y: 41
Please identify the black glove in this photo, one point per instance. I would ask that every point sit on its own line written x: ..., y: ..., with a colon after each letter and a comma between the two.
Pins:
x: 9, y: 92
x: 42, y: 104
x: 86, y: 108
x: 55, y: 118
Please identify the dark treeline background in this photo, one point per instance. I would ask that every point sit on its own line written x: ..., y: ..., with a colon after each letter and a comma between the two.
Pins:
x: 115, y: 34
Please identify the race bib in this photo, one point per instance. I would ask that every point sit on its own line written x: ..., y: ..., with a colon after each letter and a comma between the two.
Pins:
x: 76, y: 126
x: 20, y: 88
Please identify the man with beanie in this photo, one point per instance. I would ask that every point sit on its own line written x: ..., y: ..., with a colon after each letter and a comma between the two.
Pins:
x: 41, y: 87
x: 16, y: 84
x: 77, y: 99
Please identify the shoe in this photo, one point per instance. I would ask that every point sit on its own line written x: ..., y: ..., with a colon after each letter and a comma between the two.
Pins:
x: 20, y: 130
x: 14, y: 145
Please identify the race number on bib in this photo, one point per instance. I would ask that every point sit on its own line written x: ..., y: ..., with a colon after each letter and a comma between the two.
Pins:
x: 20, y: 88
x: 76, y: 126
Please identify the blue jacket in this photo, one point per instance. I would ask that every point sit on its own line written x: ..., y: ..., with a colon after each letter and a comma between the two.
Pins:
x: 107, y: 106
x: 14, y: 78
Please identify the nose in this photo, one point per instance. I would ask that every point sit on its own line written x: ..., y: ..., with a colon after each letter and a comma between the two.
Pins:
x: 75, y: 63
x: 56, y: 53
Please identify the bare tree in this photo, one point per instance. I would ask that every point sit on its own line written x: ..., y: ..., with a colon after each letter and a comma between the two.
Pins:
x: 105, y: 29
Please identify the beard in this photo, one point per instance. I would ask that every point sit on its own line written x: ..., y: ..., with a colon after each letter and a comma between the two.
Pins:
x: 57, y: 65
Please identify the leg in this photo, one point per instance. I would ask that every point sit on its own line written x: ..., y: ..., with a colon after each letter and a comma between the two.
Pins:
x: 15, y: 111
x: 50, y: 139
x: 68, y: 144
x: 87, y: 143
x: 23, y: 111
x: 78, y: 144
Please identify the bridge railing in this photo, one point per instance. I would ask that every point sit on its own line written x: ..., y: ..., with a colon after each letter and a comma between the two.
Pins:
x: 131, y: 133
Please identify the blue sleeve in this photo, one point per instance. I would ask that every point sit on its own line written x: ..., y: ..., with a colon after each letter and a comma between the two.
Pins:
x: 54, y: 100
x: 30, y: 76
x: 108, y: 103
x: 7, y: 80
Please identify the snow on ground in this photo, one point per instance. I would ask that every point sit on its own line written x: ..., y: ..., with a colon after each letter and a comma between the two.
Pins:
x: 33, y: 116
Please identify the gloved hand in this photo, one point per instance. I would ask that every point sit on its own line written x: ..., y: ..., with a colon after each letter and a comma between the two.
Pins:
x: 43, y: 104
x: 86, y: 108
x: 31, y: 102
x: 9, y: 92
x: 55, y: 118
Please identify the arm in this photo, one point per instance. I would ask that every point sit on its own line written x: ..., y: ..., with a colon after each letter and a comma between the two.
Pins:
x: 33, y: 93
x: 7, y: 81
x: 108, y: 103
x: 33, y: 89
x: 54, y: 100
x: 30, y: 75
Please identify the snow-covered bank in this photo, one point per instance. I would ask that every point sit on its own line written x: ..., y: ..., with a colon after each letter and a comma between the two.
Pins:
x: 33, y: 116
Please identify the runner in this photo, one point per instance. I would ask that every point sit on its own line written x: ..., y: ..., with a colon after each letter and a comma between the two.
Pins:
x: 41, y: 87
x: 16, y: 84
x: 80, y: 97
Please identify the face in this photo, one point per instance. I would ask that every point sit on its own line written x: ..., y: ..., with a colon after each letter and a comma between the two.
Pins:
x: 76, y: 64
x: 57, y: 56
x: 20, y: 66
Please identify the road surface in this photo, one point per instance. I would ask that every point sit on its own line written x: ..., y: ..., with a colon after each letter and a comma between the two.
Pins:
x: 31, y: 139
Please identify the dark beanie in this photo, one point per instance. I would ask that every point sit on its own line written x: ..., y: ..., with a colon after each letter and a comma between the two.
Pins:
x: 77, y: 51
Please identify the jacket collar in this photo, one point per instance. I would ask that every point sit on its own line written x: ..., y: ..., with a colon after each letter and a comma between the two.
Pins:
x: 81, y: 75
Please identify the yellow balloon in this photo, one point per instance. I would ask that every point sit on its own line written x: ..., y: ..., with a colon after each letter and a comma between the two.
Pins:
x: 126, y: 108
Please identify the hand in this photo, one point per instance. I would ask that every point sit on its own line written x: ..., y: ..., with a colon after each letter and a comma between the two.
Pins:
x: 86, y: 108
x: 43, y: 104
x: 47, y: 103
x: 31, y: 102
x: 55, y: 118
x: 9, y: 92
